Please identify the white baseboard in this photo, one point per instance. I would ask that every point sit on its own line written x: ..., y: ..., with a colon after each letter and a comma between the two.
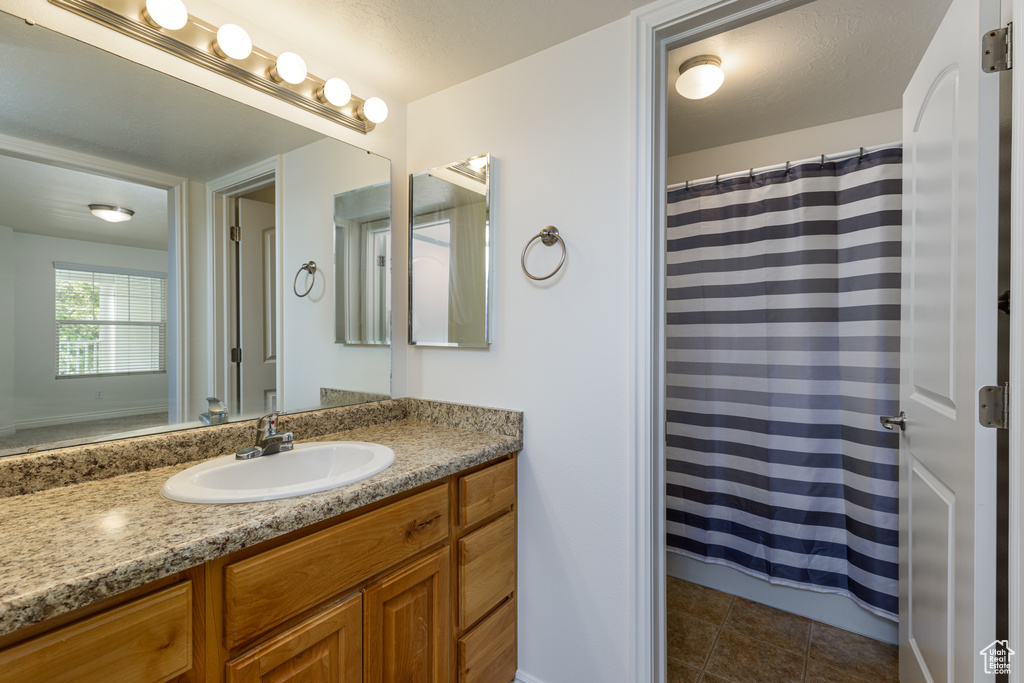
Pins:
x: 526, y: 678
x: 828, y: 608
x: 88, y: 417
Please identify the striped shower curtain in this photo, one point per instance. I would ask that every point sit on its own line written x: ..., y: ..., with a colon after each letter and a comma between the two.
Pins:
x: 783, y: 314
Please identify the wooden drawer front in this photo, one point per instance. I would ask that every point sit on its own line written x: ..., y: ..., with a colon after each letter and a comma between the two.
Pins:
x: 487, y: 654
x: 487, y: 492
x: 487, y: 569
x: 325, y: 648
x: 148, y: 640
x: 267, y: 589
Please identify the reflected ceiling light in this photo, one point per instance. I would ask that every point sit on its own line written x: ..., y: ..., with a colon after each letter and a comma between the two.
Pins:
x: 478, y: 163
x: 335, y: 91
x: 374, y: 110
x: 699, y: 77
x: 168, y: 14
x: 232, y: 41
x: 289, y: 68
x: 111, y: 214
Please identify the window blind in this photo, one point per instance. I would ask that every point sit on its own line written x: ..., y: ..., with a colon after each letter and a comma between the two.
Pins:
x: 109, y: 321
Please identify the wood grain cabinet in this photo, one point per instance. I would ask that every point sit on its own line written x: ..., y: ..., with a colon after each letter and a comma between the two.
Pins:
x: 418, y: 588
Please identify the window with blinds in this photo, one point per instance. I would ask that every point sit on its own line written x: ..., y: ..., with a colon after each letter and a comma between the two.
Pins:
x: 110, y: 321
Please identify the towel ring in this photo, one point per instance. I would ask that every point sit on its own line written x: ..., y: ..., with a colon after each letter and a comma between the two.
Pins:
x: 548, y: 236
x: 309, y: 268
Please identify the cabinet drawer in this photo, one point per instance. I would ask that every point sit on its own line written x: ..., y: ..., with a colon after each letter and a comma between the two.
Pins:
x: 487, y: 492
x: 487, y: 654
x: 265, y: 590
x: 148, y: 640
x: 487, y: 568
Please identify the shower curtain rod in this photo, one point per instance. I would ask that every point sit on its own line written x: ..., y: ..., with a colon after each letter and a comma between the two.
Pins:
x: 823, y: 159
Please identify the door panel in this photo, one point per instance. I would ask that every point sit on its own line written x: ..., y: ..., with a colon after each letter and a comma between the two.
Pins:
x: 947, y: 461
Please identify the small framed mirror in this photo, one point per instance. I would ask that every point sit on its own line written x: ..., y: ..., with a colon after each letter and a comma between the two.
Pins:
x: 449, y: 254
x: 362, y: 260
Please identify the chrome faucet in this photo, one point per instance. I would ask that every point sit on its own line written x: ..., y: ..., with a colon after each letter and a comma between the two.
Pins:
x: 268, y: 441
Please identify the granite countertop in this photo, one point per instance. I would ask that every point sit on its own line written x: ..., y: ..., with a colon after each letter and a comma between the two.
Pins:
x: 65, y: 547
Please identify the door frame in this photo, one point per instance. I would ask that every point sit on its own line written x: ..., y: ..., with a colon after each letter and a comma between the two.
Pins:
x: 240, y: 182
x: 655, y: 29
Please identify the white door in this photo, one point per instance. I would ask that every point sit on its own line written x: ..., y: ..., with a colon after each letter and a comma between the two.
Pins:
x: 947, y: 461
x: 256, y: 307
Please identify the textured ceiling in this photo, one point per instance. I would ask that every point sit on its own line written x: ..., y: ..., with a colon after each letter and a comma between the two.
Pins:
x: 826, y: 61
x: 412, y: 48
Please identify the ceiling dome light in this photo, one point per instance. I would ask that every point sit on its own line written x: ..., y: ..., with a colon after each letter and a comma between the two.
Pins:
x: 232, y: 41
x: 373, y: 110
x: 335, y: 91
x: 290, y: 68
x: 168, y: 14
x: 699, y: 77
x: 111, y: 214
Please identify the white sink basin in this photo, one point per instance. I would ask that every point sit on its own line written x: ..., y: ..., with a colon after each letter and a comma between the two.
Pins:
x: 307, y: 468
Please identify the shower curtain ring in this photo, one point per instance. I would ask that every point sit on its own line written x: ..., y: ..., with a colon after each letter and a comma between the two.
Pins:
x: 822, y: 159
x: 787, y: 168
x: 861, y: 152
x: 751, y: 174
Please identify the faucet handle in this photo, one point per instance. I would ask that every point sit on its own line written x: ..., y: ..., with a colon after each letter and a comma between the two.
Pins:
x: 268, y: 424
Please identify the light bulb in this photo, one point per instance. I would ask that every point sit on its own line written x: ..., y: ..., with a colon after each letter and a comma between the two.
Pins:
x: 699, y: 77
x: 232, y: 41
x: 290, y: 68
x: 374, y: 110
x: 168, y: 14
x: 335, y: 91
x: 111, y: 214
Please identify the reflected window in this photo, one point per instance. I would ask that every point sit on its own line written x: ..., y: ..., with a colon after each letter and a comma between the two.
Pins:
x: 110, y: 321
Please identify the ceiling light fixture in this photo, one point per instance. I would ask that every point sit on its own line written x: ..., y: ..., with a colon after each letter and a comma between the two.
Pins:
x: 699, y: 77
x: 228, y: 51
x: 168, y: 14
x: 232, y: 42
x: 111, y: 214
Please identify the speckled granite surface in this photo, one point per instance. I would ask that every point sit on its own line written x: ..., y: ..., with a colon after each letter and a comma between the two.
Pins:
x: 333, y: 398
x: 66, y: 547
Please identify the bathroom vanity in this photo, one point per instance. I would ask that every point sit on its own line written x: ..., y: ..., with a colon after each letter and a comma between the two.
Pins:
x: 407, y: 575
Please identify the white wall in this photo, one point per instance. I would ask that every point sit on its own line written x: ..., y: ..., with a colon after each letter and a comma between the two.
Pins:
x: 6, y: 331
x: 831, y: 138
x: 558, y: 126
x: 311, y: 176
x: 197, y: 298
x: 40, y: 398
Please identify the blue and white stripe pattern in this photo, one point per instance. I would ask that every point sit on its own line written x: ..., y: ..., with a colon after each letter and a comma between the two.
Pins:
x: 783, y: 317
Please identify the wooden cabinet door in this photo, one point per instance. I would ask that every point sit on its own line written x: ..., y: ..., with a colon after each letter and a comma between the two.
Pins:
x: 326, y: 648
x: 406, y: 624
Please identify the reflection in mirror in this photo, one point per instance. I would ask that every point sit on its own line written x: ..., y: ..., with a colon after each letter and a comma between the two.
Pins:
x: 362, y: 259
x: 120, y: 328
x: 449, y: 254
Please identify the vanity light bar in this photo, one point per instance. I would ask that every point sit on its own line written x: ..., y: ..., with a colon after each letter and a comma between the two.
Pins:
x: 195, y: 43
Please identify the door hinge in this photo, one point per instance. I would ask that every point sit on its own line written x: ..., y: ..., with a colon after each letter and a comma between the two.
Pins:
x: 236, y: 233
x: 236, y: 354
x: 381, y: 261
x: 994, y: 406
x: 997, y: 49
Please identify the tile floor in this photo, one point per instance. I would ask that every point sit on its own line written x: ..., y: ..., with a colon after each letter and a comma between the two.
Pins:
x: 715, y: 637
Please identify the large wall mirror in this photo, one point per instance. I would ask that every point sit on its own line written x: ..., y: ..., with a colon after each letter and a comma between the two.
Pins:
x: 111, y: 329
x: 449, y: 254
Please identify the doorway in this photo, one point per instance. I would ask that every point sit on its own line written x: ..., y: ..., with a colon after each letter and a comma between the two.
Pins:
x: 661, y: 30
